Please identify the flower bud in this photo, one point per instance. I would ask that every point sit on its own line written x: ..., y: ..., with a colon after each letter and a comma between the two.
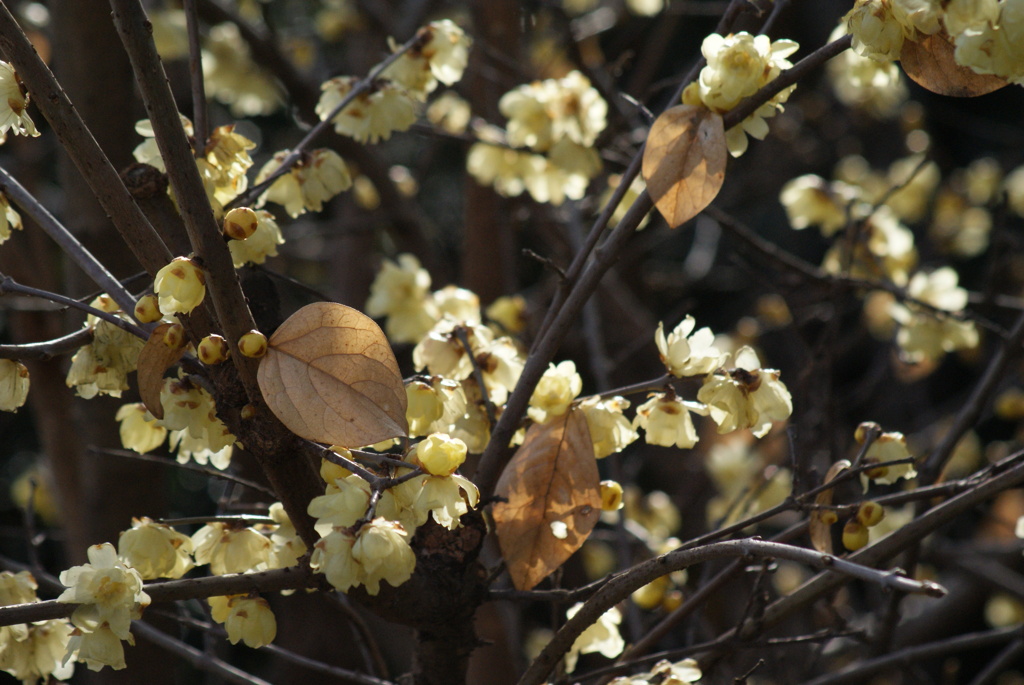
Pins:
x: 828, y: 517
x: 611, y: 496
x: 174, y: 336
x: 180, y: 286
x: 213, y: 349
x: 860, y: 435
x: 870, y: 514
x: 253, y: 344
x: 440, y: 455
x: 240, y: 223
x: 855, y: 536
x: 672, y: 600
x: 248, y: 411
x: 147, y: 309
x: 13, y: 384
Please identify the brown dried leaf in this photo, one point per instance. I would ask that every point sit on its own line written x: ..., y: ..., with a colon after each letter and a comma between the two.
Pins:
x: 330, y: 376
x: 929, y: 63
x: 552, y: 478
x: 154, y: 360
x: 684, y: 162
x: 820, y: 531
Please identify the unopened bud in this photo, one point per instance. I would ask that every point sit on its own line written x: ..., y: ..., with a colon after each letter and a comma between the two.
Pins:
x: 248, y: 411
x: 855, y: 536
x: 213, y: 349
x: 174, y: 336
x: 870, y: 514
x: 828, y: 517
x: 240, y: 223
x: 147, y: 309
x: 865, y: 428
x: 611, y: 496
x: 253, y: 344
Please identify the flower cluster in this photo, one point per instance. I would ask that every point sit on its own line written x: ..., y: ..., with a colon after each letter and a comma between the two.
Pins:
x: 666, y: 673
x: 102, y: 366
x: 987, y: 34
x: 552, y: 126
x: 378, y: 550
x: 870, y: 85
x: 109, y: 594
x: 232, y: 77
x: 223, y: 160
x: 745, y: 396
x: 314, y: 179
x: 391, y: 103
x: 923, y: 334
x: 32, y: 651
x: 738, y: 65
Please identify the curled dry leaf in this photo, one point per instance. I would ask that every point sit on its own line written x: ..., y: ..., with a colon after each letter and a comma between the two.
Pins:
x: 552, y: 479
x: 929, y: 63
x: 820, y: 530
x: 684, y: 162
x: 330, y: 376
x: 154, y: 360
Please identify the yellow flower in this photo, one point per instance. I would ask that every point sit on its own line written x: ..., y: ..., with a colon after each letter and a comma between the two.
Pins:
x: 666, y: 421
x: 261, y: 244
x: 13, y: 115
x: 110, y: 593
x: 685, y: 352
x: 344, y: 503
x: 155, y: 550
x: 439, y: 454
x: 610, y: 431
x: 233, y: 78
x: 251, y: 621
x: 810, y: 200
x: 602, y: 637
x: 314, y: 179
x: 746, y: 396
x: 9, y: 219
x: 98, y: 648
x: 876, y: 33
x: 446, y: 498
x: 555, y: 391
x: 180, y: 285
x: 230, y: 550
x: 139, y: 430
x: 14, y: 384
x: 373, y: 116
x: 382, y: 552
x: 922, y: 335
x: 332, y: 556
x: 447, y: 50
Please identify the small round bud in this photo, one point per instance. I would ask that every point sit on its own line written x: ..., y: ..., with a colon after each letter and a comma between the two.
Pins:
x: 213, y: 349
x: 174, y: 336
x: 611, y: 496
x: 147, y: 309
x: 240, y: 223
x: 855, y: 536
x: 864, y: 429
x: 248, y: 412
x: 828, y: 517
x: 672, y: 600
x: 870, y: 514
x: 439, y: 454
x: 650, y: 596
x: 253, y: 344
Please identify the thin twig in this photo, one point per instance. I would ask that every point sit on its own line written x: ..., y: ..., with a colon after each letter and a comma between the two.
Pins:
x: 67, y: 242
x: 326, y: 121
x: 9, y: 285
x: 195, y: 657
x: 78, y: 142
x: 200, y: 123
x: 622, y: 585
x: 188, y: 466
x: 47, y: 349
